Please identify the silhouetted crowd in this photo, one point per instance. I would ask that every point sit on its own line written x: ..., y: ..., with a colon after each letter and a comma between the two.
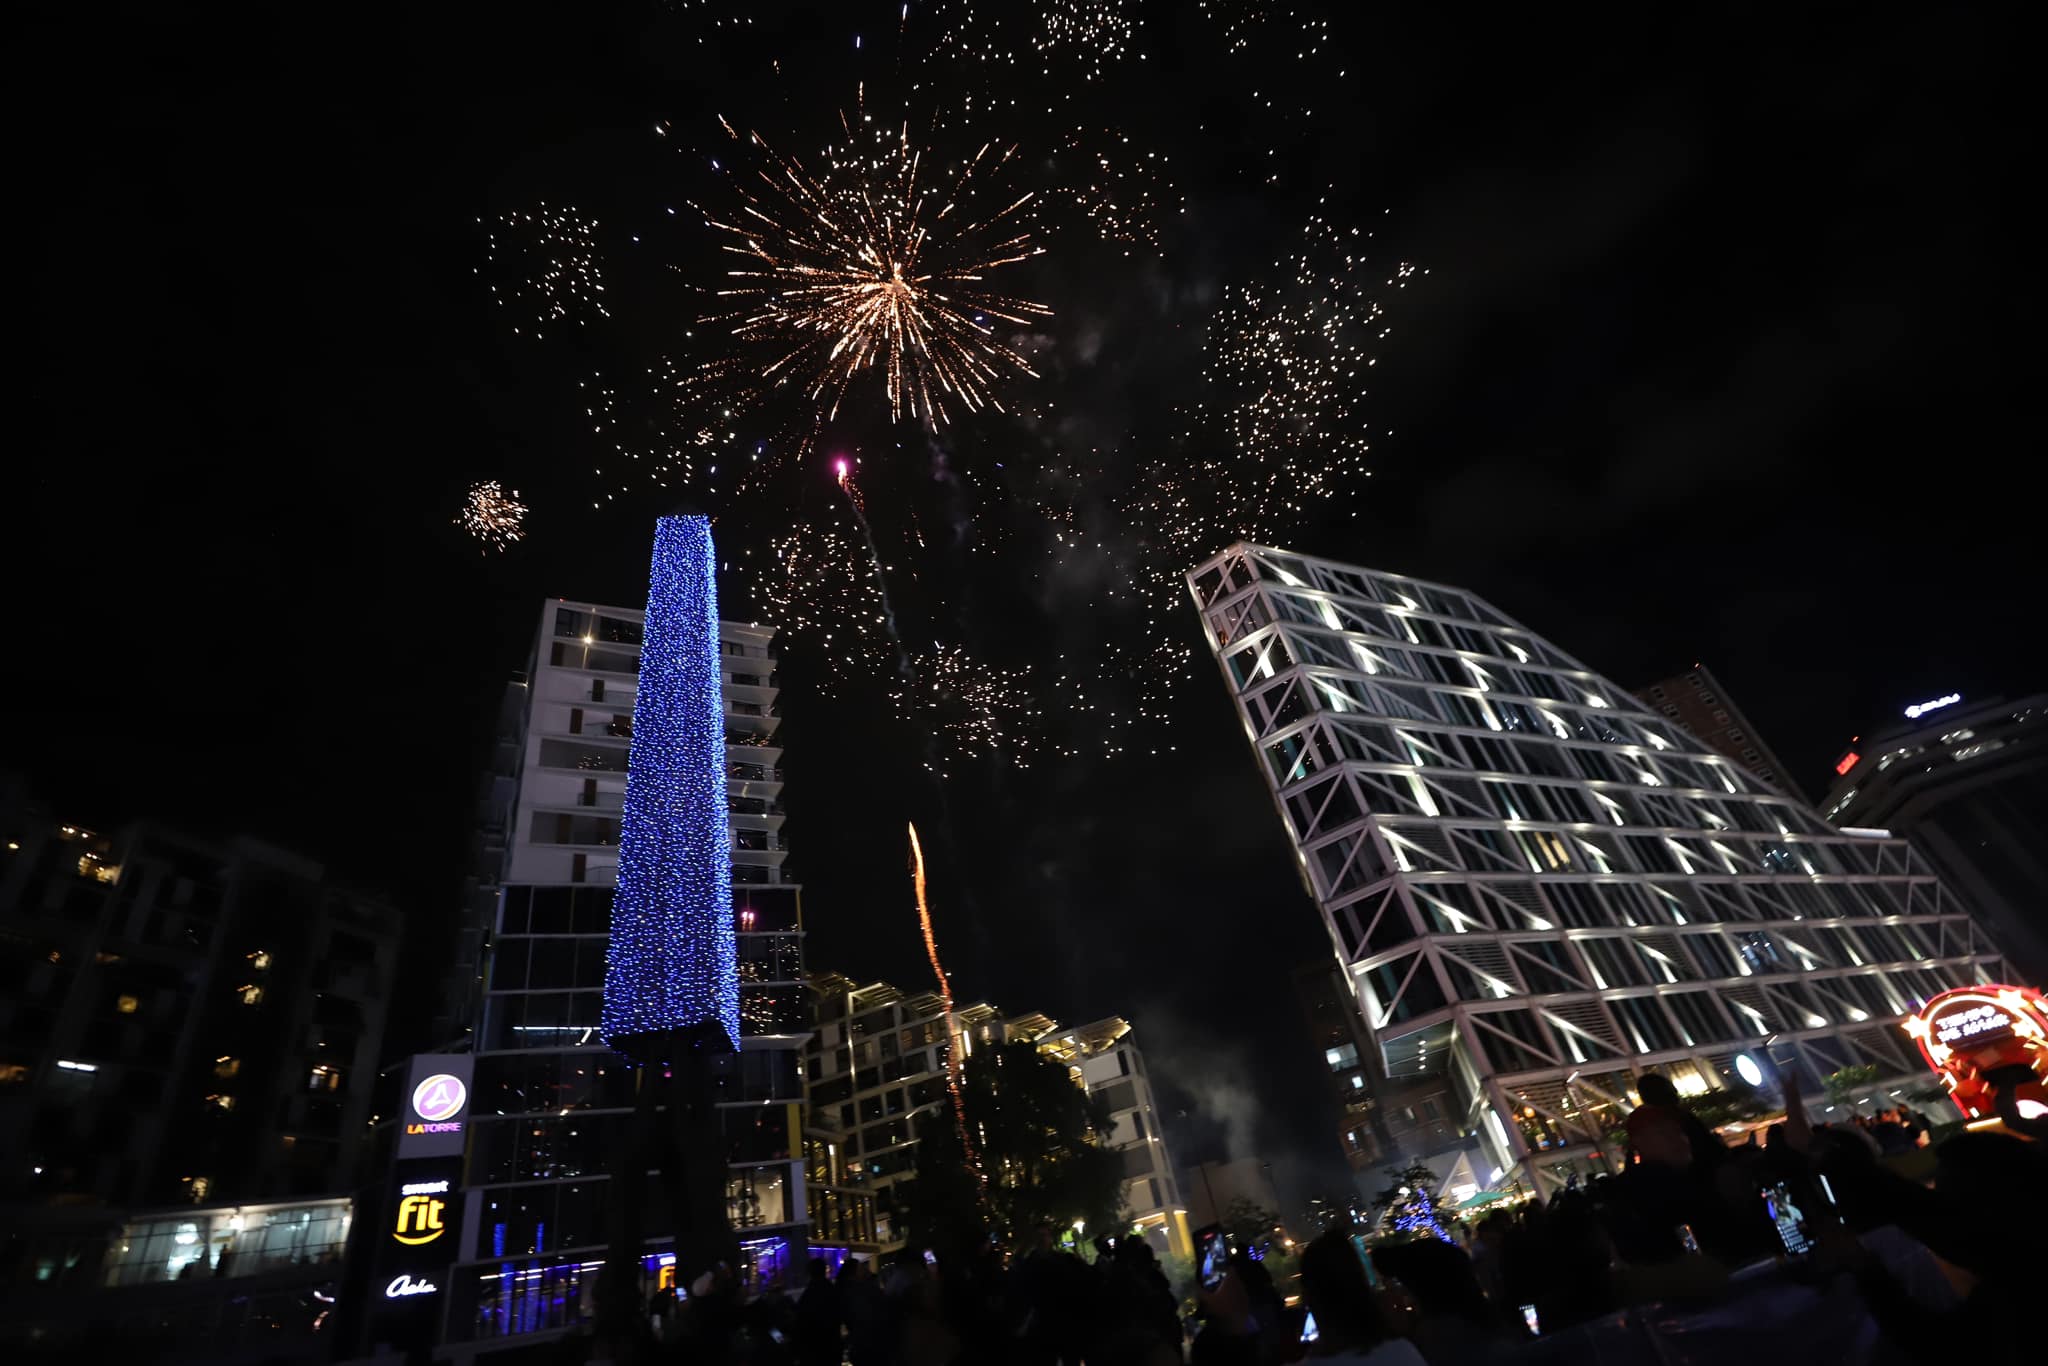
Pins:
x: 1695, y: 1240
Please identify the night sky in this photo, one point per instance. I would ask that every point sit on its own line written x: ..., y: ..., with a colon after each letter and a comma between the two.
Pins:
x: 1724, y: 353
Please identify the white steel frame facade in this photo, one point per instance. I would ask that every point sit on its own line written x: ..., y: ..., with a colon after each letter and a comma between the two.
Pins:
x: 1540, y: 888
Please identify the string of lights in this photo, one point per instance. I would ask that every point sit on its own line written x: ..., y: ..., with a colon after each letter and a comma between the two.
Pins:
x: 671, y: 961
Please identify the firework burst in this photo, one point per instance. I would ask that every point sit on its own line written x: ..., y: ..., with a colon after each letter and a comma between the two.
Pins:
x: 1122, y: 191
x: 822, y: 589
x: 971, y: 709
x: 545, y: 269
x: 866, y: 265
x: 494, y: 517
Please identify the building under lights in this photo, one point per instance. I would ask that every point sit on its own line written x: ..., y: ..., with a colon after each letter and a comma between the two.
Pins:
x: 549, y: 1097
x: 1966, y: 779
x: 1538, y: 887
x: 878, y: 1065
x: 1698, y: 702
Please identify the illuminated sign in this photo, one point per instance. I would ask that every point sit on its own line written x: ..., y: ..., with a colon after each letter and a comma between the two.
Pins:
x: 1848, y: 761
x: 1982, y: 1023
x: 437, y: 1101
x: 437, y: 1106
x: 420, y: 1213
x: 1920, y: 709
x: 1970, y: 1034
x: 403, y: 1286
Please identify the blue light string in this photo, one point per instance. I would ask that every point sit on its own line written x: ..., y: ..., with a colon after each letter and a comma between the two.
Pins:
x: 671, y: 962
x: 1421, y: 1215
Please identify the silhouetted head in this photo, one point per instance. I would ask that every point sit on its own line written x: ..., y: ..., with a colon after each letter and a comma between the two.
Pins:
x: 1656, y: 1089
x: 1333, y: 1283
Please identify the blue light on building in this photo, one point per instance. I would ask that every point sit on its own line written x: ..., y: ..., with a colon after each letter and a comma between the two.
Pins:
x: 671, y: 961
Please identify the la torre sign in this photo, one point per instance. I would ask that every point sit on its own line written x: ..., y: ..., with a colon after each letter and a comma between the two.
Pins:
x: 404, y: 1287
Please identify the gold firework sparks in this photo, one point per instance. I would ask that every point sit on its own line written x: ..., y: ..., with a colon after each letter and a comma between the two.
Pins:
x: 493, y: 516
x: 972, y: 709
x: 544, y: 268
x: 953, y: 1059
x: 866, y: 265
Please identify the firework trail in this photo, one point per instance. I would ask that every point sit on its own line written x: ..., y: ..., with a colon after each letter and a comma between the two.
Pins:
x: 953, y: 1064
x: 904, y: 667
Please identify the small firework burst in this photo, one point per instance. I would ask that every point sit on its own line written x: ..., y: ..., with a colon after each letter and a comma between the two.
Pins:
x: 496, y: 518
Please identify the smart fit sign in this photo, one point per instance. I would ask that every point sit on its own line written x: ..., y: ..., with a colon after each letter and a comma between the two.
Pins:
x: 422, y: 1213
x: 436, y: 1105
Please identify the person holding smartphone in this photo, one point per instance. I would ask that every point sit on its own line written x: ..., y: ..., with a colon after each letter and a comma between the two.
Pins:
x: 1351, y: 1327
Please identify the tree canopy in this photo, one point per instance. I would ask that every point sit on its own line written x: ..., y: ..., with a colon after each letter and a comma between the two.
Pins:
x: 1040, y: 1140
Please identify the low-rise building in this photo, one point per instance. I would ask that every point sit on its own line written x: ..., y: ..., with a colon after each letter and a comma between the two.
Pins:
x: 876, y: 1063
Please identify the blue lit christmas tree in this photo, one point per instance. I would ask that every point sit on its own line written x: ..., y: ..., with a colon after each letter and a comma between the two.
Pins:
x: 671, y: 962
x: 1409, y: 1204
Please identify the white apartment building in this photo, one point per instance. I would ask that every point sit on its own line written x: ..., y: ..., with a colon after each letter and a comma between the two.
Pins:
x: 877, y: 1065
x: 548, y: 1095
x: 1106, y: 1062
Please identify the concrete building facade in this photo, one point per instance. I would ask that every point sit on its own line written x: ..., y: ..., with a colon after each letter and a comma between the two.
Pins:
x: 550, y: 1099
x: 877, y: 1065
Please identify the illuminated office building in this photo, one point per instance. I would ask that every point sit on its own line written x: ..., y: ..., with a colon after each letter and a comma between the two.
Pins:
x: 1536, y: 886
x: 549, y: 1096
x: 1966, y: 779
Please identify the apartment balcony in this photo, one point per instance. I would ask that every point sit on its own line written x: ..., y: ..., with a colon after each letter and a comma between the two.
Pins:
x: 770, y: 958
x: 760, y: 875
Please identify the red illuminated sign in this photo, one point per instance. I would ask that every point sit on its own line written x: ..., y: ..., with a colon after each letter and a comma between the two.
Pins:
x: 1848, y: 762
x: 1971, y: 1032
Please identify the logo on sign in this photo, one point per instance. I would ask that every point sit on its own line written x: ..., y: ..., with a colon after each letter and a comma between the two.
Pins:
x: 420, y: 1213
x: 403, y: 1286
x: 438, y: 1098
x: 1920, y: 709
